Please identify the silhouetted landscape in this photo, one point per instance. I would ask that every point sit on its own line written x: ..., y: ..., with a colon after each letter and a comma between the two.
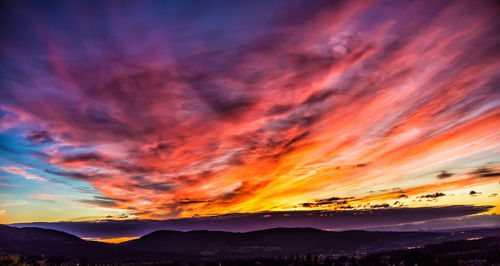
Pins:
x: 279, y: 246
x: 224, y: 132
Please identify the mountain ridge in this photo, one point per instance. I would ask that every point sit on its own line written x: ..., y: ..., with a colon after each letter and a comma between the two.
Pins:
x: 206, y: 245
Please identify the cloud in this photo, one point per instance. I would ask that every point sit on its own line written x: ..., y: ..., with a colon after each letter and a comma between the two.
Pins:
x: 39, y: 137
x: 190, y: 201
x: 244, y: 190
x: 328, y: 201
x: 83, y: 158
x: 7, y: 203
x: 495, y: 174
x: 156, y: 186
x: 383, y: 205
x: 22, y: 172
x: 99, y: 202
x: 220, y: 103
x: 319, y: 96
x: 444, y: 174
x: 433, y: 196
x: 43, y: 196
x: 78, y: 175
x: 485, y: 172
x: 279, y: 109
x: 473, y: 193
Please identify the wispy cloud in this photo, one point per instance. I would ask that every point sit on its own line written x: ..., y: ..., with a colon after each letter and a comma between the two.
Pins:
x: 43, y: 196
x: 8, y: 203
x: 22, y: 172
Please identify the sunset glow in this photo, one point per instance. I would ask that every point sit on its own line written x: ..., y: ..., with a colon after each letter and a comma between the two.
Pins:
x: 176, y: 110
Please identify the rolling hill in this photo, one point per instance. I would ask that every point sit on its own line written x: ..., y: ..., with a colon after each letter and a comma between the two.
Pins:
x: 211, y: 245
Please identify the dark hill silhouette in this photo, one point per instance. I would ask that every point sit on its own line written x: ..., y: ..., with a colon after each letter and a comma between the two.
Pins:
x: 286, y: 241
x: 485, y: 251
x: 208, y: 245
x: 47, y: 242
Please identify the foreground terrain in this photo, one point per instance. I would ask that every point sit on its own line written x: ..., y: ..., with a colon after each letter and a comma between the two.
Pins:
x: 280, y: 246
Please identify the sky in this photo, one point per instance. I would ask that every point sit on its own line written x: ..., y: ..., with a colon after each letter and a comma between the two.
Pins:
x: 185, y: 110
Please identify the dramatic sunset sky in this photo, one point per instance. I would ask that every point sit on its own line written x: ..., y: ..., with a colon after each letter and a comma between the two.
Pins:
x: 179, y: 109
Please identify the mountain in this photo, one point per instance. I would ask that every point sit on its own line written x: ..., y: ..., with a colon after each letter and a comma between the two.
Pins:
x: 37, y: 242
x: 213, y: 245
x: 286, y: 241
